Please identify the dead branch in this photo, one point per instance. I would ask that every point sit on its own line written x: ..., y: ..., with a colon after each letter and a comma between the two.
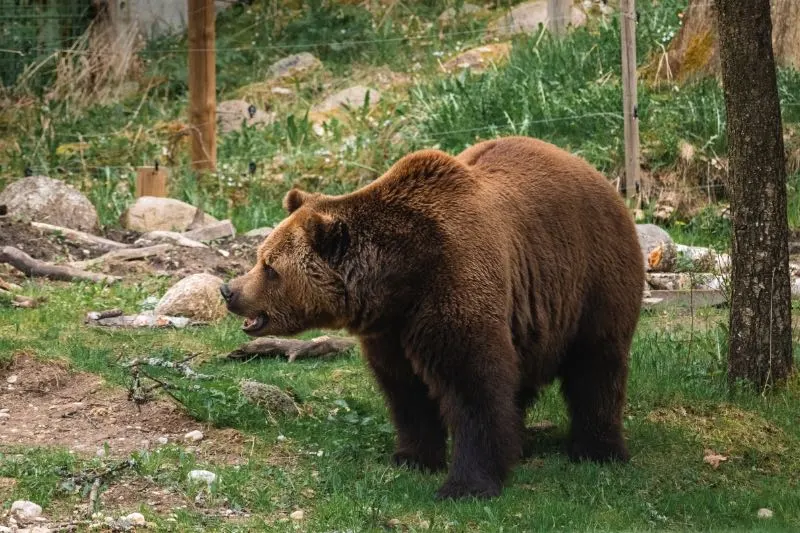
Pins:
x: 35, y: 268
x: 324, y: 347
x: 81, y: 236
x: 127, y: 254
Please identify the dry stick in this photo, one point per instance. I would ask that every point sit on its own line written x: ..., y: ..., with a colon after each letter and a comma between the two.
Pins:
x: 81, y: 236
x: 33, y: 268
x: 321, y: 347
x: 125, y: 255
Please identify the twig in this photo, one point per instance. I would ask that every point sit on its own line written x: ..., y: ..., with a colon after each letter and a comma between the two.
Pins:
x: 33, y: 267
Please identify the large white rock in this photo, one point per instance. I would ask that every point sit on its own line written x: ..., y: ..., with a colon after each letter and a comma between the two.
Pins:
x: 150, y: 213
x: 352, y: 97
x: 43, y: 199
x: 196, y: 296
x: 25, y: 511
x: 526, y: 17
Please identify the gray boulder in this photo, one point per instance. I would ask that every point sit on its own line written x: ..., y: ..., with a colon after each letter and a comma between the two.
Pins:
x: 42, y: 199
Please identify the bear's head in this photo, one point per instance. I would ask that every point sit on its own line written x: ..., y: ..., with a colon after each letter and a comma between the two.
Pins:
x: 297, y: 282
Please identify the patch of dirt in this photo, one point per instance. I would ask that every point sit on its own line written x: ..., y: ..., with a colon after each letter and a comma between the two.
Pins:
x: 127, y: 494
x: 50, y: 405
x: 225, y: 257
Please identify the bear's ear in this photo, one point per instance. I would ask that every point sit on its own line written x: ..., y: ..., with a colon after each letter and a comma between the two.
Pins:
x: 294, y: 200
x: 329, y: 236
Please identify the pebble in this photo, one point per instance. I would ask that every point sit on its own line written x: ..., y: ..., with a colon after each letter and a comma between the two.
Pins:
x: 202, y: 475
x: 26, y: 511
x: 163, y: 440
x: 194, y: 436
x: 4, y: 529
x: 4, y: 416
x: 12, y: 378
x: 765, y: 513
x: 297, y: 515
x: 135, y: 519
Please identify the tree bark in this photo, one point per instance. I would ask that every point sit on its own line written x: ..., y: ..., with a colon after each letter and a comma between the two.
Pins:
x: 760, y: 320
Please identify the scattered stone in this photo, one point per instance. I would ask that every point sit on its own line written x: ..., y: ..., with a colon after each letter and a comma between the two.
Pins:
x: 135, y: 519
x: 219, y: 230
x: 162, y: 440
x: 765, y: 514
x: 232, y: 114
x: 353, y: 97
x: 12, y: 378
x: 42, y: 199
x: 293, y: 66
x: 4, y: 416
x: 196, y: 296
x: 669, y: 281
x: 480, y: 58
x: 4, y: 529
x: 297, y: 515
x: 271, y: 398
x: 450, y: 14
x: 174, y: 237
x: 194, y: 436
x: 25, y: 511
x: 203, y: 476
x: 259, y: 232
x: 283, y: 91
x: 150, y: 213
x: 526, y: 17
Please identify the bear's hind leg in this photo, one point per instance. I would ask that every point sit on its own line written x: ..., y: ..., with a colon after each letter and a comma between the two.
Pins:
x: 594, y: 380
x: 421, y: 435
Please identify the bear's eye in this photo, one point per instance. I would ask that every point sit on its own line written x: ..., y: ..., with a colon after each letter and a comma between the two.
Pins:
x: 270, y: 272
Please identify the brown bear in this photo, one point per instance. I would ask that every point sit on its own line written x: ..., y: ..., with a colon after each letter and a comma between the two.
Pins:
x: 471, y: 282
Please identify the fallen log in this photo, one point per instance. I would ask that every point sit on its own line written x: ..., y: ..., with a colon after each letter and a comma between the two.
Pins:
x: 81, y: 236
x: 127, y: 254
x: 324, y: 347
x: 34, y: 268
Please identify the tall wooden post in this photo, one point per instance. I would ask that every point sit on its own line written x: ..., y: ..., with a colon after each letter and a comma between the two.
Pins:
x: 558, y: 15
x: 202, y: 84
x: 629, y: 98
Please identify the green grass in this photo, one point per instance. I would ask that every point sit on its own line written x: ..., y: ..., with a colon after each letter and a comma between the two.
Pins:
x: 678, y: 406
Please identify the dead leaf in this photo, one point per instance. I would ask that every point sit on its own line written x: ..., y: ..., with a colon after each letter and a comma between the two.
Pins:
x: 713, y: 458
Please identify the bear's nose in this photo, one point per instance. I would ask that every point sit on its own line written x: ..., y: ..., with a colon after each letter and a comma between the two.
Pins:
x: 226, y: 292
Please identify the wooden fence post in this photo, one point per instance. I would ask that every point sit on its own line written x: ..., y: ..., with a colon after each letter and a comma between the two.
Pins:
x: 629, y: 97
x: 558, y: 15
x: 151, y: 181
x: 202, y: 84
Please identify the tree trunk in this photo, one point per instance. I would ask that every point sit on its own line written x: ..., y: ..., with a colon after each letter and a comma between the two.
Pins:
x: 760, y: 321
x: 694, y: 52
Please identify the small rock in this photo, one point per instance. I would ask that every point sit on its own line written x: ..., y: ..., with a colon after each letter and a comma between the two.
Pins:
x: 162, y: 440
x: 101, y: 452
x: 196, y: 296
x: 212, y: 232
x: 36, y: 529
x: 194, y: 436
x: 12, y: 378
x: 203, y: 476
x: 353, y: 97
x: 283, y: 91
x: 25, y: 511
x: 232, y: 114
x: 43, y: 199
x: 270, y: 397
x: 669, y: 281
x: 150, y: 213
x: 297, y: 515
x: 478, y: 59
x: 259, y: 232
x: 135, y: 519
x: 765, y: 513
x: 293, y: 66
x: 4, y: 416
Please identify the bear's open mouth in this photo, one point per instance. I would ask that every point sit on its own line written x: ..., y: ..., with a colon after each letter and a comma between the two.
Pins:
x: 253, y: 325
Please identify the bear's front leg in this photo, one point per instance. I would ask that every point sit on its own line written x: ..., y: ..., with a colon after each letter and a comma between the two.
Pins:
x: 476, y: 378
x: 421, y: 434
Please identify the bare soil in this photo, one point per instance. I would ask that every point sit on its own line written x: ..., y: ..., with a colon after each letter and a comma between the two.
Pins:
x: 50, y: 405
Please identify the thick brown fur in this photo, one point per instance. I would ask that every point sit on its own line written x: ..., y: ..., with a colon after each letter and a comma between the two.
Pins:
x: 472, y: 282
